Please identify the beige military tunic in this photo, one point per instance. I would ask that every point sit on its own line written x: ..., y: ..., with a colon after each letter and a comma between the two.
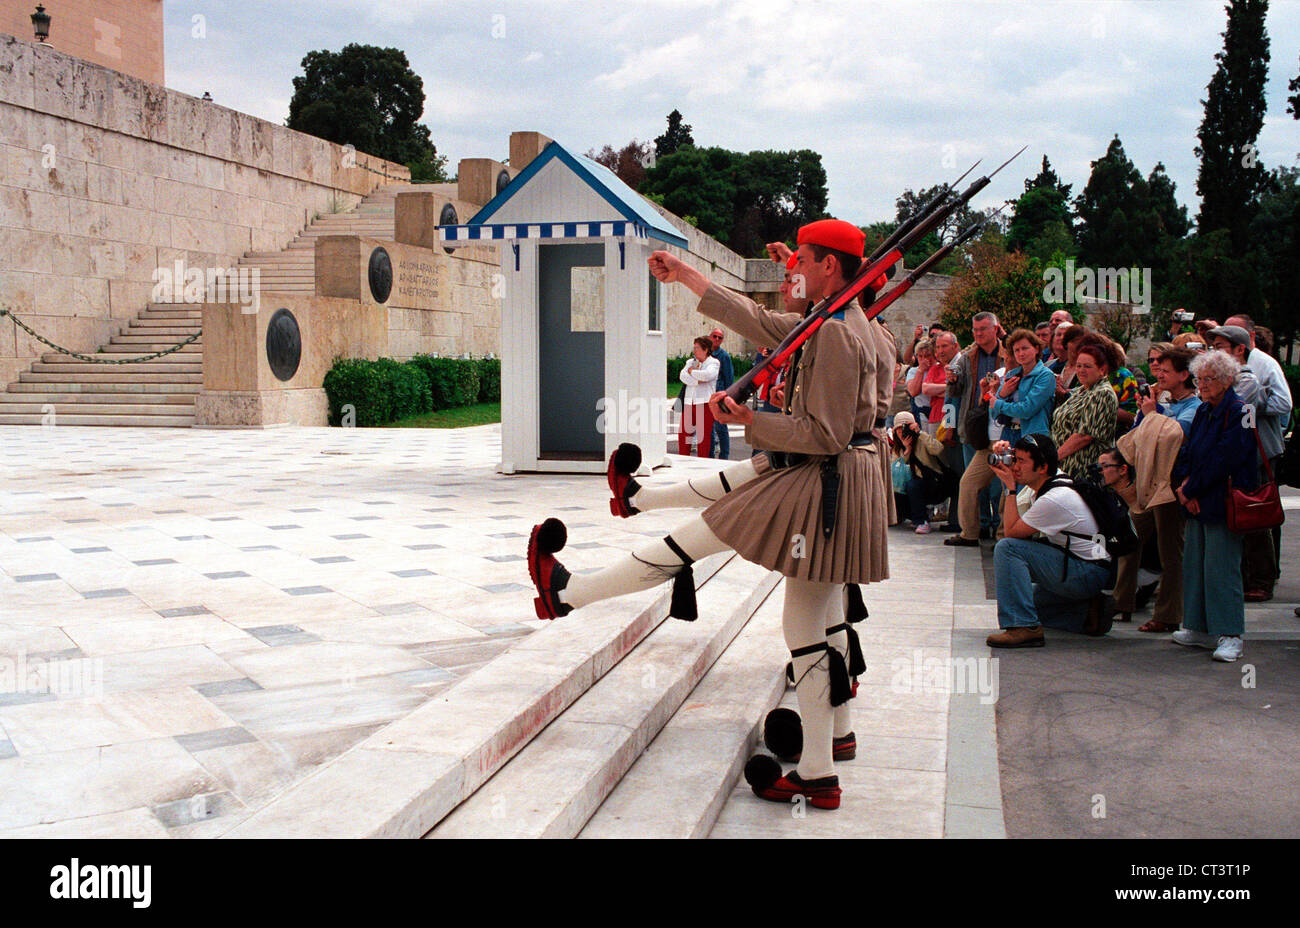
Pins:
x: 775, y: 520
x: 886, y: 352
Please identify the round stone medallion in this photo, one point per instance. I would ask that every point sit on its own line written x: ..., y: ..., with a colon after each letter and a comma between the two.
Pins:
x: 283, y: 344
x: 381, y: 275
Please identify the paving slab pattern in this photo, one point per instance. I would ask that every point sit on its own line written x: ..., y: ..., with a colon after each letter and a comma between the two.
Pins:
x: 191, y: 622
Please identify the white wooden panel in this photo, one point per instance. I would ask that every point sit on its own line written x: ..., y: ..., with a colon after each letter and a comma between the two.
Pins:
x: 519, y: 361
x: 555, y: 194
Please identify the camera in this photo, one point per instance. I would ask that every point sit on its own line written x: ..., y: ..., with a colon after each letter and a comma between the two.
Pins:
x: 1005, y: 459
x: 1094, y: 474
x: 1183, y: 315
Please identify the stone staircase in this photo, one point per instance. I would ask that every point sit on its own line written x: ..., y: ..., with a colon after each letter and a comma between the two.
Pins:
x: 64, y: 391
x: 560, y: 735
x: 60, y: 390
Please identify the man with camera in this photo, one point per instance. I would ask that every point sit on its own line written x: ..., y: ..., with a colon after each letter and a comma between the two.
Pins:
x: 1056, y: 581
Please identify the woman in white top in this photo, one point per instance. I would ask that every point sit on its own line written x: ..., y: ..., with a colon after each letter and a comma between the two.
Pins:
x: 700, y: 375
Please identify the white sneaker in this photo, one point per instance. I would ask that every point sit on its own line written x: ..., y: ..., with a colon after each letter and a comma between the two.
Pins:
x: 923, y: 528
x: 1185, y: 636
x: 1229, y: 648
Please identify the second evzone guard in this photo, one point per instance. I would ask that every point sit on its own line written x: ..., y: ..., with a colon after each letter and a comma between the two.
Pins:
x: 815, y: 509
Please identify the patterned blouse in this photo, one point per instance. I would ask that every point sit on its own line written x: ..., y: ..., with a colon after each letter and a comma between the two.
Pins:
x: 1086, y: 412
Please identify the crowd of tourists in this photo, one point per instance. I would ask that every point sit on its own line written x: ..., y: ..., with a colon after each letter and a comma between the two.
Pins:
x: 1104, y: 489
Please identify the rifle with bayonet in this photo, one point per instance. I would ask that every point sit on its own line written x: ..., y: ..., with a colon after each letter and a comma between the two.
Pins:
x: 877, y: 267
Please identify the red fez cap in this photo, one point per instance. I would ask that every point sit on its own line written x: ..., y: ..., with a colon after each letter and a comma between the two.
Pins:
x: 834, y: 233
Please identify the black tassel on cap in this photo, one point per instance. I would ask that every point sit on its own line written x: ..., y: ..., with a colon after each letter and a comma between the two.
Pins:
x: 856, y: 610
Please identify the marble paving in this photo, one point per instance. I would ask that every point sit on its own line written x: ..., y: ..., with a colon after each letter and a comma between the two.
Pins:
x: 191, y: 620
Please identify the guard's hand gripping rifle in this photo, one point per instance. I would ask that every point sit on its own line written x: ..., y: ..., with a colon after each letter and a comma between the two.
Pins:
x: 881, y: 261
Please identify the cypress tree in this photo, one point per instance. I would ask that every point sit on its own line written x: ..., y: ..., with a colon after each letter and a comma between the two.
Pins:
x: 1231, y: 178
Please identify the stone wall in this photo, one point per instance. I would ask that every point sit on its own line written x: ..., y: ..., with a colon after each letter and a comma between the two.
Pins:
x: 105, y: 178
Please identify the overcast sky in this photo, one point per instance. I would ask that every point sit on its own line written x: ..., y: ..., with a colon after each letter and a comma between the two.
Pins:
x: 892, y: 94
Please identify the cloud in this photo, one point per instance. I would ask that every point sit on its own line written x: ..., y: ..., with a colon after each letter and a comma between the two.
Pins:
x: 883, y: 90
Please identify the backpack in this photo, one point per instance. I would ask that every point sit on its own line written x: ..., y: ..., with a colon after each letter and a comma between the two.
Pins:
x: 1114, y: 528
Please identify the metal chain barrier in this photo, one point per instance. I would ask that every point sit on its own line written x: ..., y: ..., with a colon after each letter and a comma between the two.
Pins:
x: 99, y: 360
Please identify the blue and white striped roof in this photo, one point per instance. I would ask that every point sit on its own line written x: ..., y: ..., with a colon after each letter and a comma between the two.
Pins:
x: 639, y: 218
x: 512, y: 231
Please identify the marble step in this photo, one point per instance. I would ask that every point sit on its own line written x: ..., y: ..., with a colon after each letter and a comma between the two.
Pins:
x: 118, y: 421
x: 405, y: 778
x: 126, y: 387
x: 551, y: 788
x: 83, y: 406
x: 58, y: 379
x: 175, y: 363
x: 693, y: 765
x: 99, y: 397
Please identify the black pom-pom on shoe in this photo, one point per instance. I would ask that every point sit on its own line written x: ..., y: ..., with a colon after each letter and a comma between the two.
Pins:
x: 761, y: 771
x: 552, y: 536
x: 783, y: 733
x: 627, y: 459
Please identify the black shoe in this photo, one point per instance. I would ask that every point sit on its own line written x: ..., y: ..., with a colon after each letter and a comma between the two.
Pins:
x: 1144, y: 594
x: 958, y: 541
x: 1101, y: 612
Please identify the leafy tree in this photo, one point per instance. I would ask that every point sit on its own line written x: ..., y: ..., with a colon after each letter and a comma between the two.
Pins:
x: 1293, y: 101
x: 1009, y: 284
x: 1041, y: 219
x: 1230, y: 178
x: 677, y: 136
x: 1047, y: 178
x: 367, y: 97
x: 1275, y: 252
x: 628, y: 162
x: 743, y: 200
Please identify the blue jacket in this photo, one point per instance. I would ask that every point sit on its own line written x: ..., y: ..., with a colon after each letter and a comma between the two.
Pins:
x: 1217, y: 447
x: 1032, y: 403
x: 726, y: 374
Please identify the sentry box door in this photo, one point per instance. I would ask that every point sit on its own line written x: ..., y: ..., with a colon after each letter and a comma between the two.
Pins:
x: 571, y: 350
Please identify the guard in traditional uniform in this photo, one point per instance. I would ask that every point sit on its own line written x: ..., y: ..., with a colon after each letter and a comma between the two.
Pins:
x: 816, y: 514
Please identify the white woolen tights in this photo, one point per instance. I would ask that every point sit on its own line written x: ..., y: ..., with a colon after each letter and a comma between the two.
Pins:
x: 648, y: 566
x: 809, y: 608
x: 696, y: 493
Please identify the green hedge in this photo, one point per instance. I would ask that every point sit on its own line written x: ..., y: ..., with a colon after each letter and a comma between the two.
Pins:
x: 454, y: 381
x: 489, y: 380
x: 386, y: 390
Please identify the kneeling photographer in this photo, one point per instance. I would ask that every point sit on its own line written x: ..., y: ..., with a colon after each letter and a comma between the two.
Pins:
x: 930, y: 480
x: 1057, y: 581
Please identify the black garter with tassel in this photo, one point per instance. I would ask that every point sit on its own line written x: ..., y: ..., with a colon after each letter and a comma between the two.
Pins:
x: 857, y: 663
x: 683, y: 605
x: 841, y: 686
x: 856, y: 610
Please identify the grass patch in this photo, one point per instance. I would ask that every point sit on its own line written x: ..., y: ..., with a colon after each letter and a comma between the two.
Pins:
x: 458, y: 417
x: 675, y: 389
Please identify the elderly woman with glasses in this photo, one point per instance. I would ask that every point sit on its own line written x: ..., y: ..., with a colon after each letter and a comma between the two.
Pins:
x: 1219, y: 448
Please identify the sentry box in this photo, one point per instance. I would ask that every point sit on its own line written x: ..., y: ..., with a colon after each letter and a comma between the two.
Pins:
x: 583, y: 355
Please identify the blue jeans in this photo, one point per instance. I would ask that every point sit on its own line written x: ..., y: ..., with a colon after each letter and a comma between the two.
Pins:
x: 1031, y: 590
x: 1212, y: 579
x: 720, y: 442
